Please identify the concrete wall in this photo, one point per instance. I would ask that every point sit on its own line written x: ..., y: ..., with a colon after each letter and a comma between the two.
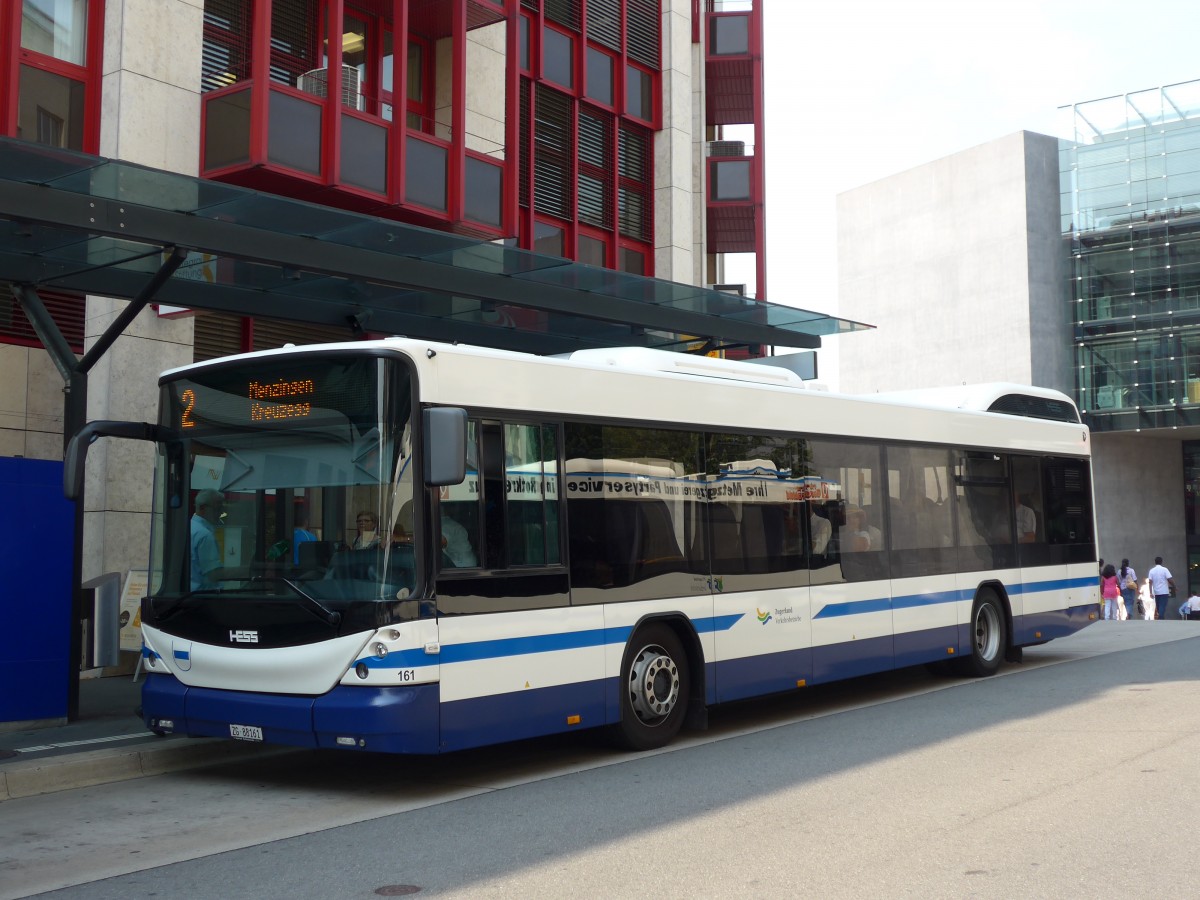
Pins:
x: 939, y: 258
x: 485, y: 89
x: 1051, y: 339
x: 31, y: 404
x: 700, y: 260
x: 1138, y: 483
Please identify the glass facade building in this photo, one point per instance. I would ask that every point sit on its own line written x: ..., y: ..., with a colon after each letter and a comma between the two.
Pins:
x: 1130, y: 176
x: 1130, y: 183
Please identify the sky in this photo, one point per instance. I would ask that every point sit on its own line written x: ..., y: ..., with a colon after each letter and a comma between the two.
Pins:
x: 858, y: 90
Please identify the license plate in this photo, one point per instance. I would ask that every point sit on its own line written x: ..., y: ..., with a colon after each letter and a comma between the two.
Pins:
x: 245, y: 732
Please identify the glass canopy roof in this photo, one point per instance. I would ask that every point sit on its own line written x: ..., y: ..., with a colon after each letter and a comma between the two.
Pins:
x: 73, y: 221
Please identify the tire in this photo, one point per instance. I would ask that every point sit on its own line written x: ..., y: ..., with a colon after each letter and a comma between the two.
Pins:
x: 654, y: 689
x: 989, y: 637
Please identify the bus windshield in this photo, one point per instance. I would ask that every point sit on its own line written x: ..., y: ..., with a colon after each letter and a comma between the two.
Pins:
x: 290, y: 487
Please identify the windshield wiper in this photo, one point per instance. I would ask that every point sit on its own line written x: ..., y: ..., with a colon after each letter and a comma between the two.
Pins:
x: 323, y: 612
x: 311, y: 603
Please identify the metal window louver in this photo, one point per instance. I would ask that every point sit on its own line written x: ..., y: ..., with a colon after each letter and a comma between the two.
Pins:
x: 564, y: 12
x: 225, y: 55
x: 604, y: 23
x: 595, y: 168
x: 553, y: 154
x: 643, y: 24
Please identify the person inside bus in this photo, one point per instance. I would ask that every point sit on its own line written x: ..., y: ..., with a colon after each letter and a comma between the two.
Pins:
x: 1026, y: 521
x: 456, y: 544
x: 300, y: 532
x: 858, y: 535
x: 368, y: 531
x: 205, y: 553
x: 821, y: 530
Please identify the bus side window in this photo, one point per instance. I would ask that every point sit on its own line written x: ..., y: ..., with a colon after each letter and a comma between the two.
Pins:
x: 531, y: 456
x: 491, y: 464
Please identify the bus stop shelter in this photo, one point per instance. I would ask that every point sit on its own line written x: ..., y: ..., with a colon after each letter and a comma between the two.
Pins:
x: 74, y: 222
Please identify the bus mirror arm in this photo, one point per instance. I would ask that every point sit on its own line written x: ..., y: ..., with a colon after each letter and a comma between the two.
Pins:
x: 73, y: 463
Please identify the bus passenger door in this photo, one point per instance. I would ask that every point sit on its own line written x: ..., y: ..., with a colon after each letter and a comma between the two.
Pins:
x: 516, y: 660
x: 1055, y: 548
x: 761, y: 616
x: 759, y: 539
x: 925, y: 590
x: 851, y: 599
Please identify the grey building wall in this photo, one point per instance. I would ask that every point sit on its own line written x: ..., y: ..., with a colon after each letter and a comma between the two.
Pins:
x: 1138, y: 480
x: 957, y: 262
x: 1051, y: 343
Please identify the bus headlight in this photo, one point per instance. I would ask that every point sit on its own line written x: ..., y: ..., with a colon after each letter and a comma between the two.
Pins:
x: 381, y: 651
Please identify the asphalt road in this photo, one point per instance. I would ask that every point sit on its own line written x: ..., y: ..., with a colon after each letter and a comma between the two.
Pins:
x: 1069, y: 776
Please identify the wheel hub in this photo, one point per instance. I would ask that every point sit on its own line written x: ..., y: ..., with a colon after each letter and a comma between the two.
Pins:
x: 653, y: 684
x: 987, y: 633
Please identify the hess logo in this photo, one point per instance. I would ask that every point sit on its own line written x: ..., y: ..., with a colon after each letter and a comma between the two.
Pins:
x: 243, y: 637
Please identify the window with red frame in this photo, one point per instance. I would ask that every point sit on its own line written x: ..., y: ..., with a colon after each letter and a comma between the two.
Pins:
x: 587, y: 109
x: 57, y: 70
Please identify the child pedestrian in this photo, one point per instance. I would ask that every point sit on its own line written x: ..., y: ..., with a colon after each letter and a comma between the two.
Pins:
x: 1146, y: 599
x: 1110, y: 592
x: 1129, y: 589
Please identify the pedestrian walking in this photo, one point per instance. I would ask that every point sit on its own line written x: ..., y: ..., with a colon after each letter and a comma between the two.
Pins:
x: 1129, y: 588
x: 1162, y: 583
x: 1110, y: 592
x: 1146, y: 599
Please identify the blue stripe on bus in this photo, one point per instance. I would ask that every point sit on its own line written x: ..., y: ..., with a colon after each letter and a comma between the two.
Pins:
x: 521, y: 646
x: 854, y: 608
x: 910, y: 601
x: 1058, y: 584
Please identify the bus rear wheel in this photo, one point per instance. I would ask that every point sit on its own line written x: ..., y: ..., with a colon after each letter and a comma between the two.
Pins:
x: 989, y: 637
x: 654, y: 689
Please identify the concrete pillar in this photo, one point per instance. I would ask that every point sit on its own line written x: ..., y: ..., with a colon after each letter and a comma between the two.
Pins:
x: 150, y: 115
x: 674, y: 150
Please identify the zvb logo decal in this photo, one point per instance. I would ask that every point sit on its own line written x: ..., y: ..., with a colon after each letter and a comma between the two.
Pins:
x: 243, y: 637
x: 763, y: 617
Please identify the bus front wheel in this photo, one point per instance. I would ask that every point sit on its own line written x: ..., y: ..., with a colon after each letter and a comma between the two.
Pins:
x: 654, y: 689
x: 988, y: 637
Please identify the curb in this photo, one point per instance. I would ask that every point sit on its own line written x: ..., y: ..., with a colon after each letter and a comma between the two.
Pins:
x: 95, y: 767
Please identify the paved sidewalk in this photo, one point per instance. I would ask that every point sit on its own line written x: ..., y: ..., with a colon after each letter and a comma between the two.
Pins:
x: 109, y: 742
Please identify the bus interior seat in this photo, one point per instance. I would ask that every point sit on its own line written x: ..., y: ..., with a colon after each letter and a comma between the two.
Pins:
x: 603, y: 541
x: 727, y: 554
x: 762, y: 537
x: 657, y: 547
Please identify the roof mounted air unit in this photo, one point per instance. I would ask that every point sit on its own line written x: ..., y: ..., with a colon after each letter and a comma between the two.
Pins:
x: 316, y: 82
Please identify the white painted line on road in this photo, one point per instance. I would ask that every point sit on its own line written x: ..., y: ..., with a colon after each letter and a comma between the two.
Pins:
x: 100, y: 740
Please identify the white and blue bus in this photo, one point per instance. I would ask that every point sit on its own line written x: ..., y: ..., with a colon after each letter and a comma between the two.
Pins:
x: 413, y: 547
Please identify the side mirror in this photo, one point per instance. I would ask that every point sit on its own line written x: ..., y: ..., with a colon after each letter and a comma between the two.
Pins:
x: 76, y: 455
x: 445, y: 445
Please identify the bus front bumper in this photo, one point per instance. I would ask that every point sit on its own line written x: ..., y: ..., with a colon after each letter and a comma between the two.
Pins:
x: 384, y: 720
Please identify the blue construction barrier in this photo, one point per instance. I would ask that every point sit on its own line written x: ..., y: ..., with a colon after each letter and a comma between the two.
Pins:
x: 37, y: 530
